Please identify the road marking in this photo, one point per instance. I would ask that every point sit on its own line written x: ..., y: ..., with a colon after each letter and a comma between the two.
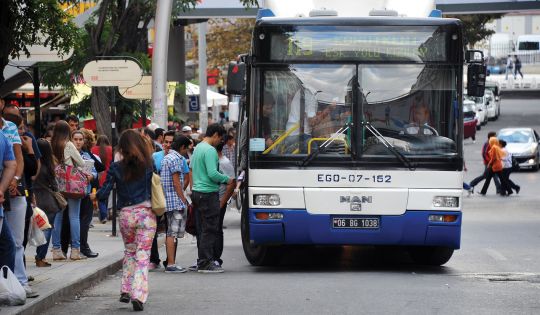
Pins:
x: 495, y: 254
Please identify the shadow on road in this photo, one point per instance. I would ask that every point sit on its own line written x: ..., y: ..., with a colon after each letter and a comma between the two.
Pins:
x: 349, y: 258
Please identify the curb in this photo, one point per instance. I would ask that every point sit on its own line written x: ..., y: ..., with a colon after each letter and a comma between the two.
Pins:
x: 78, y: 285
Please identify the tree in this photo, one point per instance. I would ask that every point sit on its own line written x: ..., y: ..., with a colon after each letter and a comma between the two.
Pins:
x: 226, y: 39
x: 474, y: 27
x: 117, y: 28
x: 33, y: 22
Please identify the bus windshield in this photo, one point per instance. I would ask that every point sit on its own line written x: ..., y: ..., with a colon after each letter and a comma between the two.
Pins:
x: 306, y: 106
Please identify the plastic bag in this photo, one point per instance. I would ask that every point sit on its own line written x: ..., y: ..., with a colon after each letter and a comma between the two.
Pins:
x: 11, y: 290
x: 41, y: 219
x: 36, y: 237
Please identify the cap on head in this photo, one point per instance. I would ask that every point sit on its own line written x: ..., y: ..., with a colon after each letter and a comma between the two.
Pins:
x: 186, y: 129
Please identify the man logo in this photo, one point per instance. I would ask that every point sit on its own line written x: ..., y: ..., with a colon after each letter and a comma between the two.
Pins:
x: 356, y: 201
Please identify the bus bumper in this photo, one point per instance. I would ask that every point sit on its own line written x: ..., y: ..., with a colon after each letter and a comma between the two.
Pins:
x: 300, y: 227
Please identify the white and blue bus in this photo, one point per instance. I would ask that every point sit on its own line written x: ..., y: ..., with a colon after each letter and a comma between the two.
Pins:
x: 354, y: 134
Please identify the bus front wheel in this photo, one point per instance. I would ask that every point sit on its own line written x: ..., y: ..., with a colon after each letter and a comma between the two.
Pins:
x: 430, y: 255
x: 257, y: 255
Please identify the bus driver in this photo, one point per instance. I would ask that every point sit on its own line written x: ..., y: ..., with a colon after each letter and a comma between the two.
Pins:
x: 420, y: 120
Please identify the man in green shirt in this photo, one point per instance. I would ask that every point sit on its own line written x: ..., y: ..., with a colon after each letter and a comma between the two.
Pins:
x: 205, y: 197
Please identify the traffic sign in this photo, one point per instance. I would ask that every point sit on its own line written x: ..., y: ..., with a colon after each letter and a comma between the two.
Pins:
x: 193, y: 103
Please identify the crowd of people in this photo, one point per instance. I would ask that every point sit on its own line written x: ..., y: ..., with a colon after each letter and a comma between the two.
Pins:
x: 195, y: 174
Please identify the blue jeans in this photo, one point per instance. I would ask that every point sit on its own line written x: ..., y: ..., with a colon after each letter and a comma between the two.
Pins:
x: 74, y: 208
x: 15, y: 217
x: 41, y: 251
x: 7, y: 246
x: 103, y: 210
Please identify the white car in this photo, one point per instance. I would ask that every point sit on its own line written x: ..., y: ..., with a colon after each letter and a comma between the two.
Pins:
x: 480, y: 109
x: 491, y: 105
x: 523, y: 144
x: 495, y: 88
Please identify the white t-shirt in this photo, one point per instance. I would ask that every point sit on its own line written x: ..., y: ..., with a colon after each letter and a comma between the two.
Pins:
x: 310, y: 109
x: 226, y: 167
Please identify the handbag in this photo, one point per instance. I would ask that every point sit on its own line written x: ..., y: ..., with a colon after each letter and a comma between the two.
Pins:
x: 72, y: 182
x: 191, y: 225
x: 48, y: 199
x: 158, y: 196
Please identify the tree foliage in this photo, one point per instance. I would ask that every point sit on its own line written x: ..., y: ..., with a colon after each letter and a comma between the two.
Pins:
x: 474, y: 27
x: 226, y: 39
x: 117, y: 28
x: 33, y: 22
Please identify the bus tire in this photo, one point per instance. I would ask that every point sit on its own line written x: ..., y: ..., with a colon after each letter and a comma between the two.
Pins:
x: 431, y: 255
x: 257, y: 255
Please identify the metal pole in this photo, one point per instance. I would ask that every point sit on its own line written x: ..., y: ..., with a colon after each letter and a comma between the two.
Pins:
x: 143, y: 113
x: 37, y: 109
x: 114, y: 143
x: 203, y: 116
x: 159, y: 62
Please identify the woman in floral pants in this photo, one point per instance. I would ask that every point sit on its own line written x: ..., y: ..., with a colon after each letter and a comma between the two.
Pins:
x: 133, y: 175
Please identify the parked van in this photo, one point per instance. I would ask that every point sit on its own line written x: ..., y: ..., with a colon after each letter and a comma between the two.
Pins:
x: 528, y: 48
x: 528, y: 43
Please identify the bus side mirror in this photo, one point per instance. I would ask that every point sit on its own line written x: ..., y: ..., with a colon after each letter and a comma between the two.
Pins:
x: 476, y: 79
x: 236, y: 78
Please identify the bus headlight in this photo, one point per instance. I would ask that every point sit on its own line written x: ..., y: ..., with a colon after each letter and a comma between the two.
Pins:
x: 266, y: 200
x: 445, y: 202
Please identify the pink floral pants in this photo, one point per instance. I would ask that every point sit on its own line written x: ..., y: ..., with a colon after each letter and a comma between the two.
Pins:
x: 138, y: 226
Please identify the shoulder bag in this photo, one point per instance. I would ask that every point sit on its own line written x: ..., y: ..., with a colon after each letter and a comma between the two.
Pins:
x: 158, y: 196
x: 72, y: 182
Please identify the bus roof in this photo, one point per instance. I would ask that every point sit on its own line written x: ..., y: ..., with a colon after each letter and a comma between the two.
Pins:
x: 352, y: 21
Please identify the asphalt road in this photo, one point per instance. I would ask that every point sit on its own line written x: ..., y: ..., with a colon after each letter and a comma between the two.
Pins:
x: 497, y: 270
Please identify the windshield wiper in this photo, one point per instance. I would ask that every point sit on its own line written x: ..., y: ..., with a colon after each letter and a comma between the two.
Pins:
x: 324, y: 145
x: 402, y: 158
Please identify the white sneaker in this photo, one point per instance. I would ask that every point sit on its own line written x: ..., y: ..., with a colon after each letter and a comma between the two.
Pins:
x: 29, y: 292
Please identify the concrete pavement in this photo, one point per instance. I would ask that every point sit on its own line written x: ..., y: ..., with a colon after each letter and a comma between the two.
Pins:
x: 68, y: 278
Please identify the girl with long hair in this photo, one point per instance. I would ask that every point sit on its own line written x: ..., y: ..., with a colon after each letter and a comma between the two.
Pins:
x: 45, y: 186
x: 84, y: 140
x: 103, y: 149
x: 132, y: 175
x: 65, y: 152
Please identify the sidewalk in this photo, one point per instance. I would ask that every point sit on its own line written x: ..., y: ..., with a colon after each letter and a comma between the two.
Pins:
x: 68, y: 278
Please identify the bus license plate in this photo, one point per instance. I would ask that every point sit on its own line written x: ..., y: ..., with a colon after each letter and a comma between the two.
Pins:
x: 355, y: 223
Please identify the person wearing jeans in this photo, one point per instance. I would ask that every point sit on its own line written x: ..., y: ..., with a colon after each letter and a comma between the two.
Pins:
x: 15, y: 218
x: 66, y: 152
x: 7, y: 171
x: 41, y: 251
x: 205, y: 197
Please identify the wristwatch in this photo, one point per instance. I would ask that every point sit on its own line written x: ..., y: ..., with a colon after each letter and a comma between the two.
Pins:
x: 17, y: 178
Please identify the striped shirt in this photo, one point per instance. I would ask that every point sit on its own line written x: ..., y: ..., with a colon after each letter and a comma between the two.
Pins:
x: 11, y: 132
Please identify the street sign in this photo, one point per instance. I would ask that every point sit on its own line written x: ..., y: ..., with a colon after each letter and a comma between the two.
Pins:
x: 141, y: 91
x: 193, y: 103
x: 120, y: 72
x: 40, y: 53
